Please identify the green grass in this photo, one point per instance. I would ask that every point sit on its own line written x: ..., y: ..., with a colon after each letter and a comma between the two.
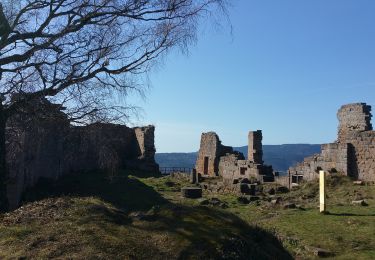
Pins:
x: 145, y: 217
x: 348, y: 231
x: 91, y: 216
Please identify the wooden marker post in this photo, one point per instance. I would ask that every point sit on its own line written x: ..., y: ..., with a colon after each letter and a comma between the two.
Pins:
x: 322, y: 191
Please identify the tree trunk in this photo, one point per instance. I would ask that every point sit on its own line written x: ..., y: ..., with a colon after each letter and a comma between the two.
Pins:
x: 3, y: 170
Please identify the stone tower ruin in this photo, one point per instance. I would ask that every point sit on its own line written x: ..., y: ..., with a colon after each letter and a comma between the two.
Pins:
x: 255, y: 150
x: 353, y: 154
x: 353, y: 118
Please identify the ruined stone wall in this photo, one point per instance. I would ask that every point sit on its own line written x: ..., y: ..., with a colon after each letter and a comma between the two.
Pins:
x: 49, y: 147
x: 209, y: 154
x: 255, y: 149
x: 234, y: 167
x: 333, y: 158
x: 354, y: 152
x: 353, y: 118
x: 99, y: 146
x: 145, y: 138
x: 33, y: 153
x: 215, y: 159
x: 283, y: 181
x: 361, y: 163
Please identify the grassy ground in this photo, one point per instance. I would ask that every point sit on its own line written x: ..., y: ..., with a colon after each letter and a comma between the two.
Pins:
x: 92, y: 217
x: 348, y: 231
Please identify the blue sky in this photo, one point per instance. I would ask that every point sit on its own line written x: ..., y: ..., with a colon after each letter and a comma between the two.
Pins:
x: 286, y: 69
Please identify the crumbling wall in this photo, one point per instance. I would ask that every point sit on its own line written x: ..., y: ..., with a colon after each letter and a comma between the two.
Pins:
x: 32, y: 153
x: 361, y: 163
x: 333, y: 158
x: 354, y: 152
x: 145, y: 138
x: 353, y: 118
x: 99, y: 146
x: 209, y: 154
x: 145, y: 147
x: 234, y: 167
x: 283, y: 181
x: 44, y: 144
x: 215, y: 159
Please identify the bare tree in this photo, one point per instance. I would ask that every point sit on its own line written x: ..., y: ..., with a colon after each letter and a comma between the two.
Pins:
x: 81, y: 53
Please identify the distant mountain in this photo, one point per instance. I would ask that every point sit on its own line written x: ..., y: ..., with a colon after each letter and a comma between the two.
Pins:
x: 281, y: 157
x: 176, y: 159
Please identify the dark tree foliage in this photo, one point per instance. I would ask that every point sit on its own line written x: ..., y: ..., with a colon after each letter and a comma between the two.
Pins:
x: 83, y: 53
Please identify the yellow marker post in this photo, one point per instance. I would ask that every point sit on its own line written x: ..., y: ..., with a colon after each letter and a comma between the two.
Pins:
x: 322, y: 191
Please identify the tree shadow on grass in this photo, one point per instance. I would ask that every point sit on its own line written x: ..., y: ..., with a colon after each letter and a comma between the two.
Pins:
x: 216, y: 234
x: 209, y: 233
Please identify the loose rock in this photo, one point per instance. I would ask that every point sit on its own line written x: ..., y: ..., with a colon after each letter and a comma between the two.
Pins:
x: 359, y: 202
x: 290, y: 206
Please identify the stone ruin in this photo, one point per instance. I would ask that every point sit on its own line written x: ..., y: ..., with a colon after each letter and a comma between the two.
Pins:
x: 43, y: 143
x: 353, y: 154
x: 215, y: 159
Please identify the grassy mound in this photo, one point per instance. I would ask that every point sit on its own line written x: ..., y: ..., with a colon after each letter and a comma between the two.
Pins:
x: 91, y: 216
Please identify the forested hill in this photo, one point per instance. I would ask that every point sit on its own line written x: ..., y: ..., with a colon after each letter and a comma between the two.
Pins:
x: 281, y: 157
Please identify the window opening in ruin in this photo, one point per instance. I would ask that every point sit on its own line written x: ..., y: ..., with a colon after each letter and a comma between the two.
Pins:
x: 242, y: 171
x: 297, y: 178
x: 205, y: 169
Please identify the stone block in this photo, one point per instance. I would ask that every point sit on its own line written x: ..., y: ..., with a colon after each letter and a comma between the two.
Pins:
x: 191, y: 192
